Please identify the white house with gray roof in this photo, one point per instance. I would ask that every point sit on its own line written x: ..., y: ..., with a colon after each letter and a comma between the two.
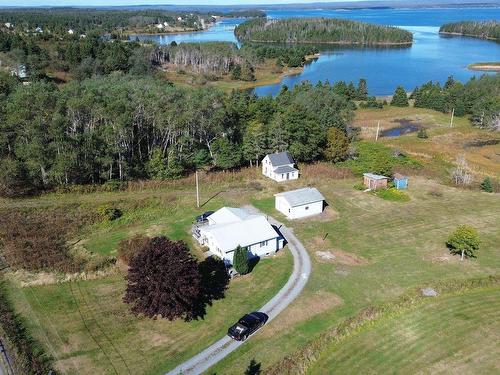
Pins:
x: 279, y: 167
x: 229, y: 227
x: 296, y: 204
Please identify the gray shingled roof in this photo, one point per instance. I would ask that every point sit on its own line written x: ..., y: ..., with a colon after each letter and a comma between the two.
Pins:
x: 303, y: 196
x: 375, y: 176
x: 280, y: 158
x: 285, y: 169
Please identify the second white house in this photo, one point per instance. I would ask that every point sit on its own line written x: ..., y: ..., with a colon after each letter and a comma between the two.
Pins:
x: 279, y: 167
x: 296, y: 204
x: 229, y: 227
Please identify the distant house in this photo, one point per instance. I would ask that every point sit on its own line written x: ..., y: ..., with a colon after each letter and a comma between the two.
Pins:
x: 374, y: 181
x: 229, y: 227
x: 279, y: 167
x: 296, y: 204
x: 71, y: 32
x: 8, y: 25
x: 21, y: 72
x: 400, y: 181
x: 38, y: 30
x: 159, y: 26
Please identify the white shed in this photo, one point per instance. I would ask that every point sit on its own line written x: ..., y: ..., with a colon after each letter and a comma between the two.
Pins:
x: 296, y: 204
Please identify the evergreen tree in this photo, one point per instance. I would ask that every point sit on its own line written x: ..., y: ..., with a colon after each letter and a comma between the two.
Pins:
x: 400, y: 99
x: 486, y: 185
x: 362, y: 90
x: 240, y: 260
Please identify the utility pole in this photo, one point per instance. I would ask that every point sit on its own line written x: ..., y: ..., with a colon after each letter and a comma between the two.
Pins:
x: 197, y: 190
x: 378, y: 129
x: 452, y: 115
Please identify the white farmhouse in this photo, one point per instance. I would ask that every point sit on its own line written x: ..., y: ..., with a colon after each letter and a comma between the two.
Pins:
x: 279, y: 167
x: 296, y: 204
x: 229, y: 227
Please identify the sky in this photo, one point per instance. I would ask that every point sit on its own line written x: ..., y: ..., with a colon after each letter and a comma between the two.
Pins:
x: 152, y: 2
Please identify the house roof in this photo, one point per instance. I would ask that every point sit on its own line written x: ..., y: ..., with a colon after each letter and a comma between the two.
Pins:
x: 280, y: 158
x: 227, y: 215
x: 285, y: 169
x: 300, y: 197
x: 399, y: 176
x: 375, y: 176
x: 245, y: 231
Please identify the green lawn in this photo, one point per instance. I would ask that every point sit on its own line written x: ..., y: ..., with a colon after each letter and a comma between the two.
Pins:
x: 382, y: 248
x: 451, y: 334
x: 88, y: 330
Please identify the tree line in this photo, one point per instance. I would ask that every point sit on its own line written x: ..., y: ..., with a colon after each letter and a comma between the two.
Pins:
x: 320, y: 30
x: 478, y: 29
x: 122, y: 127
x: 478, y: 98
x: 55, y: 22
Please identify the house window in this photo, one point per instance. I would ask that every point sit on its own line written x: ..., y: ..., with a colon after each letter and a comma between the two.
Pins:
x: 282, y: 175
x: 289, y: 210
x: 263, y: 243
x: 307, y: 207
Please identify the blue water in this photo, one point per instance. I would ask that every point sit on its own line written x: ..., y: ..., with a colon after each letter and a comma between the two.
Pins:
x: 431, y: 57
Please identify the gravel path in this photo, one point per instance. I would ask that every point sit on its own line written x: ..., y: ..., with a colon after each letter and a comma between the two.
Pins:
x: 220, y: 349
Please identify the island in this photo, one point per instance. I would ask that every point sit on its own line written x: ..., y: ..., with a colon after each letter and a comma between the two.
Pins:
x: 477, y: 29
x: 321, y: 31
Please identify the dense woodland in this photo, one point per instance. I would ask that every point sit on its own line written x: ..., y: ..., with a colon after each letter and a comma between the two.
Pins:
x: 123, y: 127
x: 484, y: 29
x: 478, y: 98
x: 320, y: 30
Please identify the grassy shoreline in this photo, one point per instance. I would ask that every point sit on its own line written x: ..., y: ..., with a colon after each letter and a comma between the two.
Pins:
x: 264, y: 74
x: 467, y: 35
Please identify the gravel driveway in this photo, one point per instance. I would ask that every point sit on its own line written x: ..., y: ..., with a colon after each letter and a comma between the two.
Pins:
x: 301, y: 271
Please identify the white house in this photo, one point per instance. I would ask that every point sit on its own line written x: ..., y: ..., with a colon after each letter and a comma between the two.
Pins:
x: 296, y: 204
x: 229, y: 227
x: 71, y: 32
x: 279, y: 167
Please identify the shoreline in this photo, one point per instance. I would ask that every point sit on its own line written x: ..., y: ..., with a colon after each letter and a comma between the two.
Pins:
x: 485, y: 66
x: 469, y: 35
x: 332, y: 43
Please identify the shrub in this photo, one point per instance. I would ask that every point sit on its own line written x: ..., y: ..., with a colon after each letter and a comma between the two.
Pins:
x: 240, y: 260
x: 130, y: 247
x: 464, y: 241
x: 359, y: 186
x: 435, y: 193
x: 462, y: 174
x: 422, y: 134
x: 108, y: 213
x: 392, y: 194
x: 486, y: 185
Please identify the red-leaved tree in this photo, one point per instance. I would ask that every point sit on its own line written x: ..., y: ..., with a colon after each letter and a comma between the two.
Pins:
x: 164, y: 280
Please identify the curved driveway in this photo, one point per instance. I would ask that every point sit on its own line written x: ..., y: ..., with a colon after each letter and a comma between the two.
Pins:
x: 220, y: 349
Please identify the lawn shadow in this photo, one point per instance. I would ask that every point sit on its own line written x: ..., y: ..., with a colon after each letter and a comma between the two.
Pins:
x: 254, y: 368
x: 214, y: 282
x: 212, y: 197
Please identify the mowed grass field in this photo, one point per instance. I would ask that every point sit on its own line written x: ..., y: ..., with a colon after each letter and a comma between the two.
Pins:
x: 456, y: 334
x: 381, y: 250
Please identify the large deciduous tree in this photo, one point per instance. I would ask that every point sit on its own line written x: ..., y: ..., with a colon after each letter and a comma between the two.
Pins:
x: 337, y: 145
x: 164, y: 280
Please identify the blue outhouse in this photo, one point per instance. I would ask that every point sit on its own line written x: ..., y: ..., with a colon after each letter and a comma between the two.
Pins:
x: 400, y: 181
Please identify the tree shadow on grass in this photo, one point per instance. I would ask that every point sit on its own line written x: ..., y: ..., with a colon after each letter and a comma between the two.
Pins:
x: 214, y: 282
x: 254, y: 368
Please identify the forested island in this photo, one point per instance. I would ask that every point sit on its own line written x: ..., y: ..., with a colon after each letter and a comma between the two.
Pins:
x: 321, y: 31
x: 477, y: 29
